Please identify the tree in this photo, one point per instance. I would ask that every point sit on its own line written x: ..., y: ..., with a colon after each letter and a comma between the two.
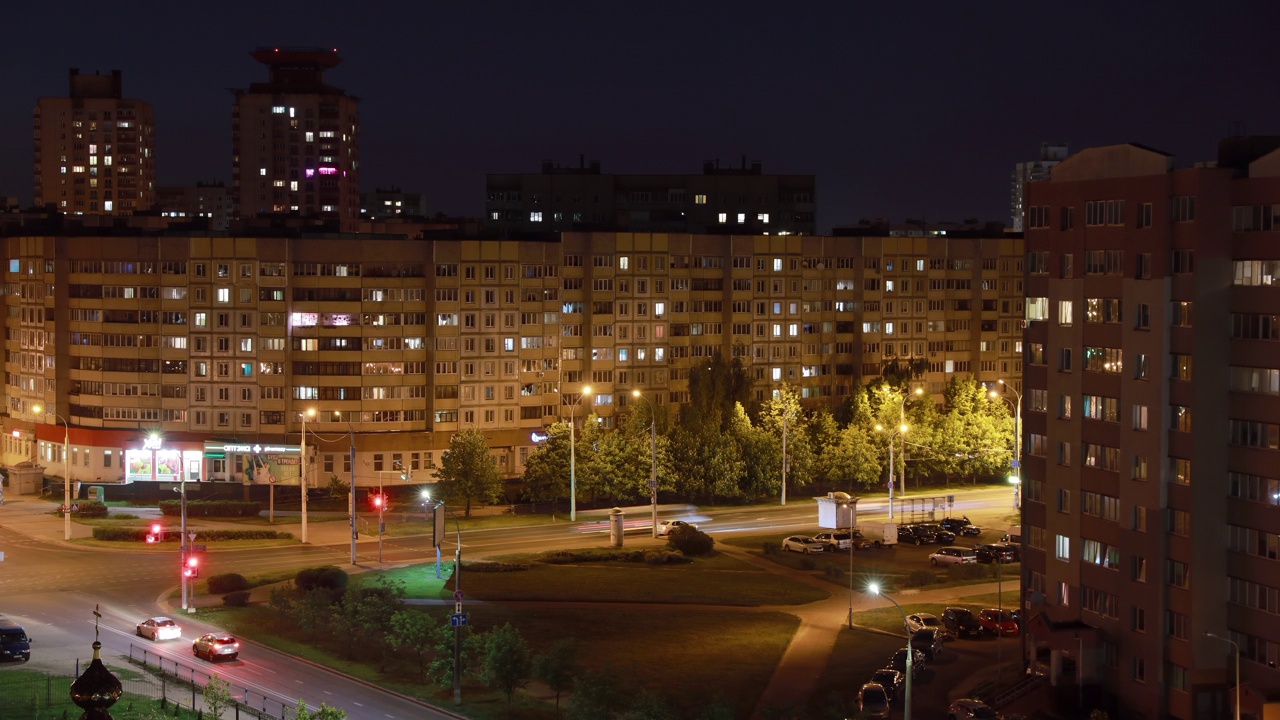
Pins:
x: 648, y: 706
x: 505, y: 661
x: 761, y: 457
x: 781, y: 411
x: 557, y: 667
x: 594, y: 697
x: 546, y: 473
x: 324, y: 712
x: 411, y: 631
x: 467, y: 471
x: 217, y: 696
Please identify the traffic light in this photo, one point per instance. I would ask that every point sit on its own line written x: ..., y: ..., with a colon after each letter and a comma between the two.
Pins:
x: 156, y: 534
x: 379, y: 501
x: 192, y: 569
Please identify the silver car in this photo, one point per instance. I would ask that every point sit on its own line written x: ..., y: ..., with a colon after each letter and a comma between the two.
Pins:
x: 802, y: 544
x: 216, y: 646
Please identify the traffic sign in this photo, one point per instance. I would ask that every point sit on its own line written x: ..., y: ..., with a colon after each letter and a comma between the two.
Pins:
x: 458, y: 619
x: 653, y: 484
x: 355, y: 535
x: 75, y: 507
x: 199, y: 548
x: 191, y: 537
x: 457, y: 596
x: 1015, y: 464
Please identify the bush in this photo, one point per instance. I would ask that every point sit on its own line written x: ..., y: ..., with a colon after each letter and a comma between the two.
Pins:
x: 771, y: 547
x: 495, y: 567
x: 227, y: 583
x: 328, y: 577
x: 920, y: 578
x: 212, y: 508
x: 236, y: 599
x: 968, y: 571
x: 90, y: 509
x: 690, y: 541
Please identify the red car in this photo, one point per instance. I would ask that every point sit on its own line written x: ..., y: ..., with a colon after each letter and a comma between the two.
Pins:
x: 998, y: 622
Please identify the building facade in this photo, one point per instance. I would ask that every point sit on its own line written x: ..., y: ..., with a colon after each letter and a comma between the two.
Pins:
x: 216, y: 338
x: 1033, y: 171
x: 296, y: 141
x: 721, y: 201
x: 95, y: 149
x: 393, y: 204
x: 1146, y: 529
x: 209, y: 201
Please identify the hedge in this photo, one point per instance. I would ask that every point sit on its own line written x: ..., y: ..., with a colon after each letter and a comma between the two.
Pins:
x: 89, y: 509
x: 212, y: 508
x: 123, y: 534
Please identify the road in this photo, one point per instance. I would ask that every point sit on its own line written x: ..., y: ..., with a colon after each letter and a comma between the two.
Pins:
x: 53, y: 588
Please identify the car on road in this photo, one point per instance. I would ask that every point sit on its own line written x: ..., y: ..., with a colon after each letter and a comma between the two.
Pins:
x: 666, y: 526
x: 833, y: 541
x: 915, y: 534
x: 998, y: 622
x: 873, y: 701
x: 802, y: 544
x: 929, y: 641
x: 891, y: 680
x: 994, y: 552
x: 216, y: 646
x: 941, y: 535
x: 961, y: 622
x: 15, y: 644
x: 919, y: 621
x: 961, y: 526
x: 159, y: 628
x: 953, y: 555
x: 970, y: 709
x: 899, y: 662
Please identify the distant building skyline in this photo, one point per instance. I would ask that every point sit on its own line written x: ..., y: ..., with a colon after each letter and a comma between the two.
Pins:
x: 1032, y: 171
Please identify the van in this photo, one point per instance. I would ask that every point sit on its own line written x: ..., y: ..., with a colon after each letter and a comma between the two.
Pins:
x: 1013, y: 536
x: 14, y: 643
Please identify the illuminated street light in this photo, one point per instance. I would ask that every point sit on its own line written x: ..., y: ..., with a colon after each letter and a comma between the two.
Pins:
x: 874, y: 589
x: 573, y: 475
x: 66, y: 470
x: 653, y: 460
x: 302, y: 475
x: 902, y: 429
x: 351, y: 496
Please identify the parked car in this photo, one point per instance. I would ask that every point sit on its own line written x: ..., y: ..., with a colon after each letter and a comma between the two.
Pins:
x: 802, y: 544
x: 862, y: 542
x: 961, y: 526
x: 918, y: 621
x: 970, y: 709
x: 998, y: 622
x: 994, y: 552
x: 666, y: 526
x: 953, y: 555
x: 941, y: 535
x: 899, y: 662
x: 1014, y: 548
x: 961, y: 622
x: 929, y: 641
x: 891, y: 680
x: 833, y: 541
x: 159, y: 628
x: 216, y: 646
x: 873, y: 701
x: 915, y: 534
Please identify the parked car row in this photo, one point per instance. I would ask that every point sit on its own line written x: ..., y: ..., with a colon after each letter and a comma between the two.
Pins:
x: 829, y: 541
x: 985, y: 553
x: 962, y: 622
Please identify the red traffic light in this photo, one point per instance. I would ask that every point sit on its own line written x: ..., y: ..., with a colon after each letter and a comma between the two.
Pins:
x: 192, y: 570
x: 378, y: 500
x: 156, y: 528
x: 156, y: 534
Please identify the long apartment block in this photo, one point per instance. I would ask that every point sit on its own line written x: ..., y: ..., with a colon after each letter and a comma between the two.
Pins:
x: 215, y: 343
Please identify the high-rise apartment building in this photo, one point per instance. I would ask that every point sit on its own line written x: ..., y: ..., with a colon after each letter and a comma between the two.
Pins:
x: 210, y: 202
x: 296, y: 141
x: 221, y: 341
x: 1151, y: 420
x: 393, y: 204
x: 94, y: 149
x: 720, y: 201
x: 1033, y: 171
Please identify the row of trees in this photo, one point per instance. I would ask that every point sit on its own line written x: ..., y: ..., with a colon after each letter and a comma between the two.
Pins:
x: 724, y: 446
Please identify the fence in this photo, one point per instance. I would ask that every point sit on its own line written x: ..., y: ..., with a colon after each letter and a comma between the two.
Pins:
x: 178, y: 680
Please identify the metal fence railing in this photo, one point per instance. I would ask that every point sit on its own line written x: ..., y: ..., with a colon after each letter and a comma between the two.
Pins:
x: 178, y: 679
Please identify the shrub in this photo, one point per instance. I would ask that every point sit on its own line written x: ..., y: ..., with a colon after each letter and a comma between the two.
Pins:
x: 691, y: 541
x: 771, y: 547
x: 236, y: 599
x: 328, y: 577
x: 227, y: 583
x: 212, y: 508
x: 495, y: 567
x: 808, y: 563
x: 920, y: 578
x: 968, y: 571
x: 663, y: 557
x: 90, y: 509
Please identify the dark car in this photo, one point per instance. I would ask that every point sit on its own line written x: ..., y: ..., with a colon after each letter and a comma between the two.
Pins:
x: 961, y: 622
x: 915, y: 534
x: 929, y: 641
x: 899, y: 662
x: 961, y: 525
x: 940, y: 535
x: 993, y: 552
x: 891, y: 680
x: 1014, y: 548
x: 860, y: 541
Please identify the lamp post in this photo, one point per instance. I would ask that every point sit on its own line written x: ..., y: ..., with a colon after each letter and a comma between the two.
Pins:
x: 351, y: 496
x: 902, y: 429
x: 653, y: 459
x: 784, y: 459
x: 1235, y: 648
x: 458, y: 618
x: 1015, y: 479
x: 906, y: 703
x: 66, y: 471
x: 309, y: 412
x: 902, y: 420
x: 573, y: 472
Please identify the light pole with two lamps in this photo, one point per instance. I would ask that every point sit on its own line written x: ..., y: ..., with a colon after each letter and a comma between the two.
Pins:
x: 573, y: 472
x: 1236, y: 648
x: 906, y: 703
x: 900, y: 431
x: 653, y: 459
x: 351, y: 496
x: 66, y: 470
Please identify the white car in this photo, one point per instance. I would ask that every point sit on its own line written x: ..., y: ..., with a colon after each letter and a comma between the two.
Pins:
x: 666, y: 526
x: 954, y: 555
x: 159, y: 628
x: 802, y: 544
x: 919, y: 621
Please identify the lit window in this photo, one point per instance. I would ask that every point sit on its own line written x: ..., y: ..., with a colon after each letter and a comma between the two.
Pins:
x: 293, y: 185
x: 278, y: 109
x: 723, y: 217
x: 742, y: 217
x: 763, y: 217
x: 108, y: 205
x: 535, y: 216
x: 777, y: 373
x: 262, y: 172
x: 777, y: 264
x: 700, y: 200
x: 311, y: 137
x: 224, y: 295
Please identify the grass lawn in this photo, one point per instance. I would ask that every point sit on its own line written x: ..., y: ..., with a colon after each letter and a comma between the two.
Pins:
x: 33, y: 695
x: 631, y: 645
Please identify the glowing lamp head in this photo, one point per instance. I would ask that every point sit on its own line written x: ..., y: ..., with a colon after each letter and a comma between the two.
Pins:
x: 156, y: 529
x: 635, y: 393
x: 874, y: 588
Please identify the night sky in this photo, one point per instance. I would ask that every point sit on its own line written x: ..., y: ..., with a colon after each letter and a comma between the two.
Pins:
x: 901, y: 109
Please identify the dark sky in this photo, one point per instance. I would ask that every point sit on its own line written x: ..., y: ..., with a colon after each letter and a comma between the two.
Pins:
x: 901, y: 109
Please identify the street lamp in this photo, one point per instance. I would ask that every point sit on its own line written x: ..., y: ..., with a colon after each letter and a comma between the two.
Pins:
x: 906, y: 703
x: 573, y: 473
x: 653, y: 461
x: 902, y: 429
x: 66, y: 470
x: 1015, y: 479
x: 1236, y: 648
x: 309, y: 412
x: 351, y: 496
